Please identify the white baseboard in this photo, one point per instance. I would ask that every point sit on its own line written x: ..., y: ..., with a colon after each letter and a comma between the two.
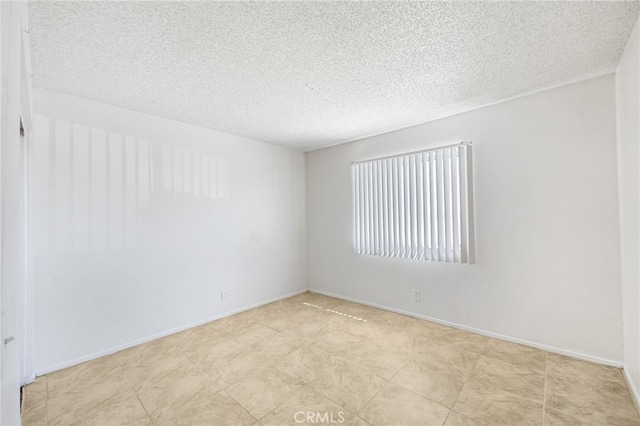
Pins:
x: 537, y: 345
x: 29, y: 380
x: 632, y: 388
x: 137, y: 342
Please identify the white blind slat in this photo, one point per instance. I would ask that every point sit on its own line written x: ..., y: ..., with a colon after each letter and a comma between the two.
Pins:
x: 448, y: 226
x: 420, y: 209
x: 362, y: 209
x: 455, y: 187
x: 356, y: 208
x: 463, y: 206
x: 396, y: 208
x: 374, y: 206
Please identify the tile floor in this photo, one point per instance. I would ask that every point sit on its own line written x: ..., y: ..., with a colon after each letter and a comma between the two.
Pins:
x: 312, y: 359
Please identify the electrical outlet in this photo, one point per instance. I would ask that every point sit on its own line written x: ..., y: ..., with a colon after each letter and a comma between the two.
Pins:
x: 224, y: 294
x: 417, y: 294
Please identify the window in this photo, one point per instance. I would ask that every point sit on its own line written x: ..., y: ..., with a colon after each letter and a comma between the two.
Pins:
x: 415, y: 206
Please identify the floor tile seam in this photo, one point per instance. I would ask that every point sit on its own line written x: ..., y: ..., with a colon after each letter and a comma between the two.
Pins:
x: 237, y: 402
x: 270, y: 327
x: 371, y: 399
x: 398, y: 372
x: 466, y: 382
x: 430, y: 363
x: 197, y: 366
x: 423, y: 396
x: 138, y: 398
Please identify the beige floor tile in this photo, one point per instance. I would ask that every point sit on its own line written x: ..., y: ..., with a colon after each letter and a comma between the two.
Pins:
x: 34, y: 412
x: 456, y: 419
x: 402, y: 326
x: 145, y: 353
x: 105, y: 406
x: 418, y: 331
x: 207, y: 408
x: 202, y: 334
x: 251, y: 334
x: 557, y: 418
x: 378, y: 357
x: 223, y: 372
x: 347, y: 384
x: 35, y: 391
x: 235, y: 322
x: 316, y: 299
x: 515, y: 378
x: 587, y: 373
x: 484, y: 403
x: 264, y: 390
x: 604, y: 405
x: 227, y: 345
x: 274, y: 348
x: 345, y: 353
x: 434, y: 383
x: 156, y: 369
x: 220, y: 349
x: 357, y: 328
x: 305, y: 364
x: 337, y: 342
x: 461, y: 340
x: 447, y: 357
x: 164, y: 394
x: 531, y: 358
x: 101, y: 372
x: 395, y: 405
x: 357, y: 310
x: 308, y: 406
x: 301, y: 331
x: 275, y: 310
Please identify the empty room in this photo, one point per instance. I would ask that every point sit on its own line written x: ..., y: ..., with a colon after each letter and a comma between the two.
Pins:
x: 333, y: 212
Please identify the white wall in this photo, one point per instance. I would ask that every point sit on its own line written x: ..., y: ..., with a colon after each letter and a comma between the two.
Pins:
x: 130, y: 238
x: 628, y: 121
x: 548, y: 264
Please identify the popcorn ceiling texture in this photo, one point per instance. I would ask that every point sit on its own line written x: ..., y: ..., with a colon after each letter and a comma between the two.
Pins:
x: 313, y: 74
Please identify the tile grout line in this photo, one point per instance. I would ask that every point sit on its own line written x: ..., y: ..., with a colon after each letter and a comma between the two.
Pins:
x: 370, y: 399
x: 239, y: 404
x: 466, y: 382
x: 133, y: 390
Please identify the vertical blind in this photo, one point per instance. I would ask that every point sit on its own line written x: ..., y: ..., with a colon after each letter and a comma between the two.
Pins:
x: 415, y: 206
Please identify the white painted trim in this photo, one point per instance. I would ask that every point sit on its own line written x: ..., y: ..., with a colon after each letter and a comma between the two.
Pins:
x: 632, y: 389
x: 119, y: 348
x: 542, y: 346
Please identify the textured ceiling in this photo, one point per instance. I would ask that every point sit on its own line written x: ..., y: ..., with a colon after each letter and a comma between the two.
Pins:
x: 312, y: 74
